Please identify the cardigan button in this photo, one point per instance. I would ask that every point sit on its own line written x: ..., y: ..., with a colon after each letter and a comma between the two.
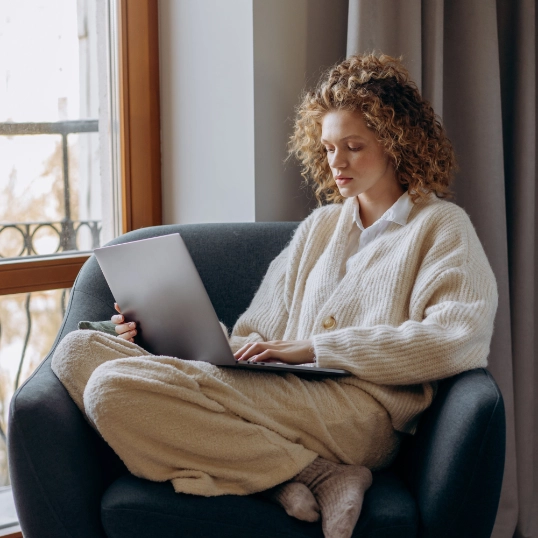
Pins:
x: 329, y: 323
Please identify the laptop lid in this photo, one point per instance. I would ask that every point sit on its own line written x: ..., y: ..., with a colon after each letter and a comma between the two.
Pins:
x: 157, y: 285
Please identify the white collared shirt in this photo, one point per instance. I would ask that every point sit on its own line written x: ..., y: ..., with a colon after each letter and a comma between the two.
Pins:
x: 360, y: 236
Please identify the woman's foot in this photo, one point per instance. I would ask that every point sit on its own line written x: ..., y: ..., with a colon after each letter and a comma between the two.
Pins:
x: 296, y: 499
x: 339, y: 490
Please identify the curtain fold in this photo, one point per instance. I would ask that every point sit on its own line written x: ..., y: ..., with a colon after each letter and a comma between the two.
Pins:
x: 475, y: 61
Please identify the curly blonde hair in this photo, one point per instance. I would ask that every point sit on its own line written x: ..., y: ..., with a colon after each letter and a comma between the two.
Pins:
x: 412, y: 135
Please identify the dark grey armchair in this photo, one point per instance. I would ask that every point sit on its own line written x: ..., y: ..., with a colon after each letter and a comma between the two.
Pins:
x: 68, y: 483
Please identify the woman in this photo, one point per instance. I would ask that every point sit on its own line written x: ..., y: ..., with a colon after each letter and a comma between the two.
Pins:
x: 387, y: 280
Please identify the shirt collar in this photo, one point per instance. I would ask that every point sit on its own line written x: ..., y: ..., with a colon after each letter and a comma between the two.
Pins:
x: 398, y: 212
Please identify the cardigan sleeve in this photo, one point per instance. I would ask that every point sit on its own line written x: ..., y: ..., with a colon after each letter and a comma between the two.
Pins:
x: 452, y: 334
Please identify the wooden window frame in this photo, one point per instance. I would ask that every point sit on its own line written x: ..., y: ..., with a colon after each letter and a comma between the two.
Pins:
x: 11, y: 532
x: 140, y: 150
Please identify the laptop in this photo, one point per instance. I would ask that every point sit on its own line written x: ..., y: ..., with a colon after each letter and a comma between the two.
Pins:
x: 156, y: 284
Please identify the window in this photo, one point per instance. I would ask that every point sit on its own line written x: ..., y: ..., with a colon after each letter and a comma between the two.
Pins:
x: 55, y: 245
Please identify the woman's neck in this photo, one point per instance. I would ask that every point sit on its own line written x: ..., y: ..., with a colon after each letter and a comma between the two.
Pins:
x: 373, y: 207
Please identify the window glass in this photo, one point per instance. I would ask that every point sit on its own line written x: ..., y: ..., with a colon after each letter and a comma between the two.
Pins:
x: 55, y: 173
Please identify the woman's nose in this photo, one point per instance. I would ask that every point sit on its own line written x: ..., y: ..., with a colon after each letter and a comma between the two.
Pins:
x: 338, y: 160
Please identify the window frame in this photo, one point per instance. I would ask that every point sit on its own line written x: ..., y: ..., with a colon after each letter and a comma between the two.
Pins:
x: 140, y: 150
x: 11, y: 532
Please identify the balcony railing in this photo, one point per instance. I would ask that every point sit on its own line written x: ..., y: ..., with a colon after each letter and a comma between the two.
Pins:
x: 64, y: 129
x: 67, y: 232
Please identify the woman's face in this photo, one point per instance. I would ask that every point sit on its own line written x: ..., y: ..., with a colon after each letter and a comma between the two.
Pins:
x: 358, y: 161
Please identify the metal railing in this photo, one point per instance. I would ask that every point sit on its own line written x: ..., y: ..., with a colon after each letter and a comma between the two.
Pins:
x: 64, y: 129
x: 66, y: 230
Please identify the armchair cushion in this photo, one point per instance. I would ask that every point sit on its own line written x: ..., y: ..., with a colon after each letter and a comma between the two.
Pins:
x: 135, y: 507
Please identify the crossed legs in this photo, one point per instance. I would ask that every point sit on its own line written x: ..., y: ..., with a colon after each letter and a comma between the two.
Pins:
x: 188, y: 423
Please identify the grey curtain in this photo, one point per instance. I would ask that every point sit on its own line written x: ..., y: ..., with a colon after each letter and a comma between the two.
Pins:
x: 475, y: 60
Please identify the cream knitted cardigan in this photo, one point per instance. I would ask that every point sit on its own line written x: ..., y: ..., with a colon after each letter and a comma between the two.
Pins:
x: 417, y: 305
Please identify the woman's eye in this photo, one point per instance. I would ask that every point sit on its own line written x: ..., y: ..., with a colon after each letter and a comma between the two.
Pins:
x: 350, y: 148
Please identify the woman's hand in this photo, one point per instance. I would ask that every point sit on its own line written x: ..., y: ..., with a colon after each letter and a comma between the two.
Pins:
x: 126, y: 331
x: 290, y: 352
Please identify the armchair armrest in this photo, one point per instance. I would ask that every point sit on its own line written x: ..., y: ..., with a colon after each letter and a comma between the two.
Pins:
x: 59, y: 465
x: 52, y: 451
x: 454, y: 464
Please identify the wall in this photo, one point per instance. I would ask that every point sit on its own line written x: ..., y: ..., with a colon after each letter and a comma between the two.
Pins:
x: 231, y: 74
x: 207, y: 126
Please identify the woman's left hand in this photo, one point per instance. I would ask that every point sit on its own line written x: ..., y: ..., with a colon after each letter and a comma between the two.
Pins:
x: 290, y: 352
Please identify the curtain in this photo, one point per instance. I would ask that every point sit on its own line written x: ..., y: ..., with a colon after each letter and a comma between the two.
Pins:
x: 475, y: 60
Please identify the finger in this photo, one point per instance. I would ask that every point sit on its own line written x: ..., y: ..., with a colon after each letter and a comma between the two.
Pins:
x: 128, y: 328
x: 128, y: 336
x: 245, y: 352
x: 117, y: 319
x: 265, y: 356
x: 252, y: 350
x: 117, y: 307
x: 243, y: 349
x: 273, y: 355
x: 125, y: 327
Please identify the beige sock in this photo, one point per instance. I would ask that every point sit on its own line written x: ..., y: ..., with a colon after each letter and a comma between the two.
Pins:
x: 339, y: 490
x: 296, y: 499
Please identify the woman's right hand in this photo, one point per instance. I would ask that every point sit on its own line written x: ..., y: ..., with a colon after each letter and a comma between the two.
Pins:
x: 124, y: 330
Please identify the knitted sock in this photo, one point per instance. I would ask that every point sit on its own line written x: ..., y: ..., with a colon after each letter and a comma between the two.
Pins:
x: 339, y: 490
x: 296, y: 499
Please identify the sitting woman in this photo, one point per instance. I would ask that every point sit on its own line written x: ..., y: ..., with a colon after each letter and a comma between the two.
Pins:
x: 386, y: 280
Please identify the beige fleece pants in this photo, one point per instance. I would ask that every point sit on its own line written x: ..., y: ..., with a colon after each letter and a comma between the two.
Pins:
x: 213, y: 430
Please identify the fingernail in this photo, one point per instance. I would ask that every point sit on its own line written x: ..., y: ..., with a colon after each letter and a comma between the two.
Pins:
x: 132, y: 325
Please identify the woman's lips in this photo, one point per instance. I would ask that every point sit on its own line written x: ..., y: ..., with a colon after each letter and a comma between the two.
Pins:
x: 343, y: 180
